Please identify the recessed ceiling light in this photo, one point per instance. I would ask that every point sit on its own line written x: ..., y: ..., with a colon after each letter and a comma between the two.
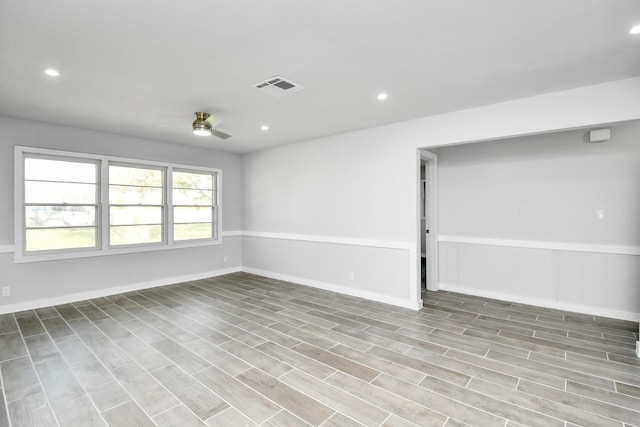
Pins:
x: 635, y: 30
x: 382, y: 96
x: 51, y: 72
x: 265, y: 127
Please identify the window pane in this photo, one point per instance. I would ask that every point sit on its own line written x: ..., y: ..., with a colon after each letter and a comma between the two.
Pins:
x: 59, y: 170
x: 184, y: 214
x: 192, y: 180
x: 192, y: 197
x: 60, y: 238
x: 59, y: 192
x: 60, y: 216
x: 135, y: 234
x: 124, y: 215
x: 122, y: 195
x: 192, y: 231
x: 135, y: 176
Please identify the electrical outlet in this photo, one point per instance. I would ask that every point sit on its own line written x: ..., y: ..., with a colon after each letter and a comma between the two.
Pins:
x: 352, y: 275
x: 600, y: 213
x: 225, y: 260
x: 6, y: 291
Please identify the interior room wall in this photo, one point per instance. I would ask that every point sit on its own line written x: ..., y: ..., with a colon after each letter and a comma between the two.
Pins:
x: 519, y: 219
x: 360, y: 189
x: 44, y: 283
x: 357, y: 191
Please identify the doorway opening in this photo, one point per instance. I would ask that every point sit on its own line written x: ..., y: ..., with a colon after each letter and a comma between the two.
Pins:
x: 427, y: 221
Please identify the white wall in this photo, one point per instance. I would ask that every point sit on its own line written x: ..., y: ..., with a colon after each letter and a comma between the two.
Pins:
x: 544, y: 187
x: 299, y: 203
x: 42, y: 283
x: 364, y: 185
x: 498, y: 199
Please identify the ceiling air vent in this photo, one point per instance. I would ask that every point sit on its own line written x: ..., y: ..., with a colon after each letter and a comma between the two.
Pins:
x: 278, y: 86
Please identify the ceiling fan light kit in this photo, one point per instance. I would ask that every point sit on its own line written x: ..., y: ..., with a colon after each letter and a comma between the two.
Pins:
x: 201, y: 126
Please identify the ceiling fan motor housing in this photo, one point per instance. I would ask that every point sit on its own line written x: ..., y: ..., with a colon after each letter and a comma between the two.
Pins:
x: 201, y: 124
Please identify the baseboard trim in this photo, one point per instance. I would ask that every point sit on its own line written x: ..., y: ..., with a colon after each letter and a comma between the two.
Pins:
x: 399, y: 302
x: 574, y: 308
x: 531, y: 244
x: 81, y: 296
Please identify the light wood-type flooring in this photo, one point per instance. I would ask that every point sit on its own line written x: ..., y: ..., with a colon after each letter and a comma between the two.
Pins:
x: 242, y: 350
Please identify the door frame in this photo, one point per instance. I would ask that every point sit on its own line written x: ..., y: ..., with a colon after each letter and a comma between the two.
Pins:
x: 431, y: 223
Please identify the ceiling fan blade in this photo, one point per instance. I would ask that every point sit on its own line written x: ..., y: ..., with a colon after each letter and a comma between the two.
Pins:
x: 214, y: 120
x: 220, y: 134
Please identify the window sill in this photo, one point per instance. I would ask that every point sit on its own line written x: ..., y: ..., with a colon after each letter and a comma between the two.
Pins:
x: 106, y: 252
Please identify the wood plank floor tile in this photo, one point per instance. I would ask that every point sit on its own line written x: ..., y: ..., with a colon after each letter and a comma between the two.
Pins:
x: 594, y: 406
x: 284, y: 419
x: 339, y: 420
x: 57, y: 327
x: 41, y: 348
x: 30, y: 325
x: 423, y: 366
x: 179, y: 416
x: 46, y: 312
x: 59, y: 383
x: 395, y: 421
x: 553, y: 366
x: 380, y: 364
x: 230, y: 417
x: 542, y: 405
x: 79, y: 412
x: 219, y: 357
x: 465, y: 412
x: 239, y: 395
x: 68, y: 312
x: 256, y: 358
x: 11, y: 346
x: 92, y: 312
x: 4, y: 416
x: 100, y: 385
x: 489, y: 404
x: 128, y: 414
x: 101, y: 346
x: 200, y: 400
x: 337, y: 337
x: 31, y: 411
x: 628, y: 389
x: 179, y: 355
x: 73, y: 350
x: 146, y: 356
x: 293, y: 358
x: 19, y: 379
x: 308, y: 409
x: 245, y: 350
x: 354, y: 408
x: 389, y: 401
x: 144, y: 389
x: 7, y: 323
x: 337, y: 362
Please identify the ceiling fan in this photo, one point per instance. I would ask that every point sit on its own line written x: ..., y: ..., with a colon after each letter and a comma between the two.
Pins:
x: 203, y: 126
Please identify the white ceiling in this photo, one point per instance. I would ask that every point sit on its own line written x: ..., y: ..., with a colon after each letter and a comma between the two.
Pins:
x: 142, y: 67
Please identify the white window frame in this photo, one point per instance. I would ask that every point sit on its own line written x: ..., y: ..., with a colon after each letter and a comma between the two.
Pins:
x: 102, y: 213
x: 215, y: 204
x: 164, y: 206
